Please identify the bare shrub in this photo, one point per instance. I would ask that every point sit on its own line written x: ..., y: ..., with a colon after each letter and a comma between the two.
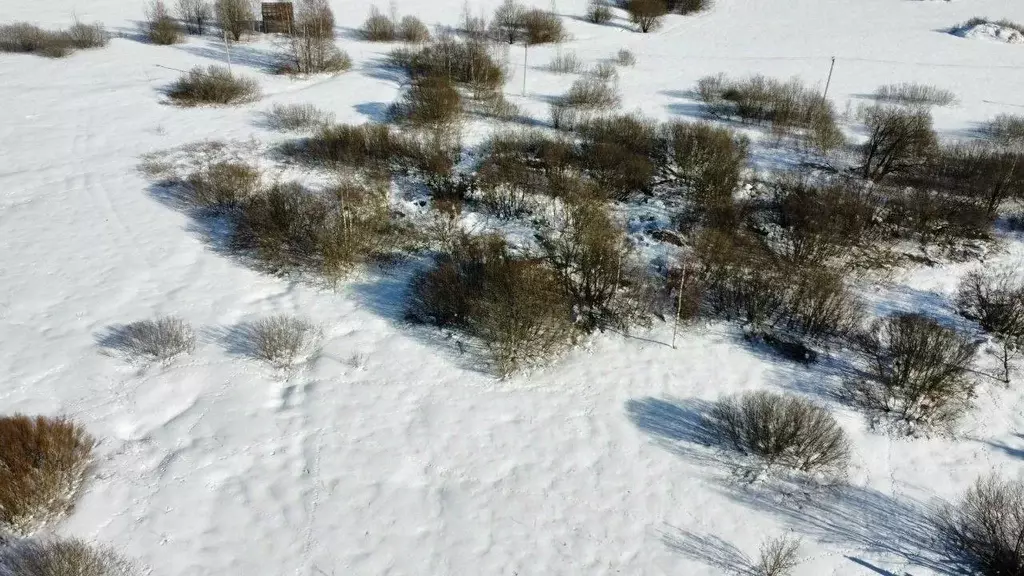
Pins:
x: 995, y: 299
x: 513, y: 306
x: 430, y: 101
x: 282, y: 340
x: 298, y: 117
x: 540, y: 27
x: 508, y: 24
x: 1006, y: 129
x: 568, y: 63
x: 63, y: 557
x: 379, y: 28
x: 27, y: 38
x: 977, y: 171
x: 234, y: 17
x: 913, y: 94
x: 604, y: 71
x: 900, y: 140
x: 598, y: 12
x: 468, y: 63
x: 366, y: 145
x: 591, y: 258
x: 625, y: 58
x: 982, y: 533
x: 196, y: 14
x: 160, y: 339
x: 708, y: 161
x: 591, y: 93
x: 287, y: 227
x: 43, y: 465
x: 310, y: 47
x: 161, y: 28
x: 688, y: 6
x: 412, y: 29
x: 978, y: 20
x: 778, y: 557
x: 785, y: 106
x: 223, y: 184
x: 646, y: 14
x: 782, y: 430
x: 213, y: 85
x: 620, y: 153
x: 917, y: 370
x: 820, y: 305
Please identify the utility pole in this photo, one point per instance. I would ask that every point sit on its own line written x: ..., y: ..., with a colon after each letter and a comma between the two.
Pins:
x: 828, y: 82
x: 526, y: 48
x: 679, y: 307
x: 227, y: 48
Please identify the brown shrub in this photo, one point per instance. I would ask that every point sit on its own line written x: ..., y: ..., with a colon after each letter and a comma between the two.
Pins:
x: 900, y: 140
x: 223, y: 184
x: 213, y: 85
x: 27, y: 38
x: 469, y: 63
x: 599, y: 12
x: 234, y: 17
x: 161, y: 28
x: 646, y: 14
x: 540, y: 27
x: 708, y: 160
x: 310, y: 47
x: 508, y: 23
x: 981, y: 533
x: 63, y: 557
x: 430, y: 101
x: 412, y: 29
x: 43, y: 464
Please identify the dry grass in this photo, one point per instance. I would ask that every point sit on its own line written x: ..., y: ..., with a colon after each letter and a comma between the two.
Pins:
x: 43, y: 464
x: 913, y: 94
x: 213, y: 85
x: 567, y: 63
x: 63, y: 557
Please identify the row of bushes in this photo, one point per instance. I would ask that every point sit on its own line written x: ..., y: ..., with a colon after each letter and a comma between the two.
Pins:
x: 27, y: 38
x: 234, y: 17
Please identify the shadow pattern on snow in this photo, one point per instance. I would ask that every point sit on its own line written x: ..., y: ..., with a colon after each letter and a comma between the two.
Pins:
x: 707, y: 549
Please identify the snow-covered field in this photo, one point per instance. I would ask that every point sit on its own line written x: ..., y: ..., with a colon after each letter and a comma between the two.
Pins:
x: 387, y: 454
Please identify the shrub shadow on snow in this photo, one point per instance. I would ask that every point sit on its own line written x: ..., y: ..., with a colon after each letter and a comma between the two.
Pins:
x: 679, y: 426
x: 213, y: 228
x: 707, y: 549
x: 1012, y: 451
x: 374, y: 111
x: 385, y: 293
x: 871, y: 566
x: 851, y: 516
x: 382, y: 69
x: 240, y: 55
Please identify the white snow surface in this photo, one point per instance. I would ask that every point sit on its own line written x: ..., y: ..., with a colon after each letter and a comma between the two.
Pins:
x: 388, y: 454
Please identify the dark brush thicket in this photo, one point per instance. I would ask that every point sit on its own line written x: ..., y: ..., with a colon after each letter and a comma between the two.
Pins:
x: 27, y: 38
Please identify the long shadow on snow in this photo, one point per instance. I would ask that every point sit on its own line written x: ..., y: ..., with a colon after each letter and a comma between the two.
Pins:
x: 707, y: 549
x: 874, y: 522
x: 240, y: 55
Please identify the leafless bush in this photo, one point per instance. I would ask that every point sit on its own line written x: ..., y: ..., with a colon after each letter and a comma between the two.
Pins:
x: 310, y: 47
x: 778, y: 557
x: 620, y: 152
x: 430, y: 101
x: 599, y: 12
x: 979, y: 172
x: 1006, y: 129
x: 913, y: 94
x: 160, y: 339
x: 604, y: 71
x: 995, y: 299
x: 412, y: 29
x: 820, y: 305
x: 646, y: 14
x: 978, y: 20
x: 591, y: 258
x: 468, y: 63
x: 688, y: 6
x: 589, y: 93
x: 43, y: 464
x: 196, y: 14
x: 568, y: 63
x: 282, y: 340
x: 783, y: 430
x: 223, y: 184
x: 708, y: 161
x: 161, y: 28
x: 27, y: 38
x: 625, y: 58
x: 379, y: 28
x: 540, y: 27
x: 982, y: 533
x: 63, y: 557
x: 298, y: 117
x: 512, y: 305
x: 365, y: 146
x: 917, y: 370
x: 234, y: 17
x: 900, y: 140
x: 508, y: 23
x: 785, y: 106
x: 213, y: 85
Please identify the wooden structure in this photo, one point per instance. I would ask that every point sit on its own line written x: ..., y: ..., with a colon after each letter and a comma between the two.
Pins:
x: 278, y: 17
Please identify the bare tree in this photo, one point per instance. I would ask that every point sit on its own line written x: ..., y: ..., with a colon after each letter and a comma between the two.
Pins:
x: 995, y: 300
x: 311, y: 45
x: 196, y: 14
x: 984, y: 531
x: 509, y: 23
x: 646, y: 14
x: 900, y: 140
x: 234, y: 17
x: 778, y: 556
